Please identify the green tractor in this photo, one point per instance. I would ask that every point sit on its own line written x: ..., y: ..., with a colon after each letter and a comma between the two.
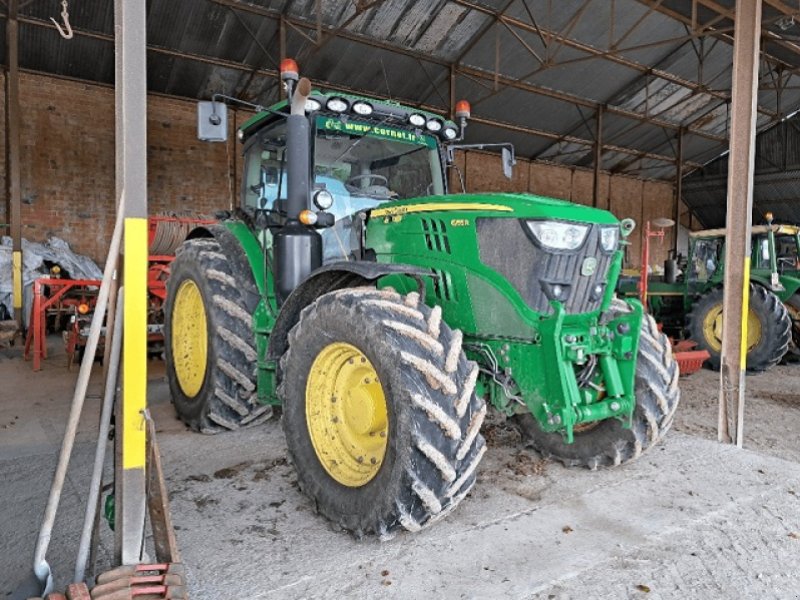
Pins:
x: 382, y: 314
x: 687, y: 299
x: 777, y: 251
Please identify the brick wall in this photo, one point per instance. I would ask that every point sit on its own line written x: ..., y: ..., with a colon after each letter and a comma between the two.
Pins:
x: 68, y: 168
x: 67, y: 161
x: 623, y: 195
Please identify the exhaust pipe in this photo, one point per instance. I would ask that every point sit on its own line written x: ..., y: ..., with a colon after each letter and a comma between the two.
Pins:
x: 297, y: 248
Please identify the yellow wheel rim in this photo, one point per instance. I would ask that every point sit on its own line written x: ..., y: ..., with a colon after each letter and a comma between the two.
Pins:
x: 189, y: 338
x: 712, y: 328
x: 346, y: 414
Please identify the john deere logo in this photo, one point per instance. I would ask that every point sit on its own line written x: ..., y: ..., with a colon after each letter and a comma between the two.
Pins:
x: 589, y: 266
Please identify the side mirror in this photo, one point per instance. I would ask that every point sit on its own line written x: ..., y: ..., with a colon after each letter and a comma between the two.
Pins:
x: 507, y: 155
x: 626, y: 227
x: 212, y: 122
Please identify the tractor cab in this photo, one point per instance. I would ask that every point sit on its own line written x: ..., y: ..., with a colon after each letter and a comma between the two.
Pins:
x: 786, y: 244
x: 363, y: 154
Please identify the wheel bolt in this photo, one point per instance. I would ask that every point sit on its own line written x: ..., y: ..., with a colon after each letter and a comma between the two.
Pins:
x: 614, y: 406
x: 363, y: 360
x: 333, y: 399
x: 383, y: 434
x: 623, y: 328
x: 373, y: 460
x: 335, y: 420
x: 350, y: 361
x: 360, y: 459
x: 366, y: 380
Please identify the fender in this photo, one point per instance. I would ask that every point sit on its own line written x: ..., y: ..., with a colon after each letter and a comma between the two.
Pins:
x: 791, y: 284
x: 334, y: 276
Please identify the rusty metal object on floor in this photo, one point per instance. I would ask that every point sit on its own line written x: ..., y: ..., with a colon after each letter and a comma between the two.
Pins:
x: 689, y: 360
x: 78, y: 591
x: 164, y: 581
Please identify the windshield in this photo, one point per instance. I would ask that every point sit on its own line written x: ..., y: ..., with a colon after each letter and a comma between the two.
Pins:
x: 363, y: 165
x: 706, y: 259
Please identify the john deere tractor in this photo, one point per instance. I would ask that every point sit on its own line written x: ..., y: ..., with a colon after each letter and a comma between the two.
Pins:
x: 689, y: 303
x: 382, y: 314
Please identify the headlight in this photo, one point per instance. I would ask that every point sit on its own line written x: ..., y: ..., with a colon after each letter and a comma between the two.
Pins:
x: 558, y: 236
x: 323, y: 199
x: 312, y: 105
x: 609, y: 236
x: 362, y: 108
x: 450, y: 133
x: 434, y: 125
x: 337, y: 105
x: 417, y: 120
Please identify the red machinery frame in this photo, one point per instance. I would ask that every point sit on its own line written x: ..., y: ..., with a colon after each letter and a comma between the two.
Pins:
x: 36, y: 338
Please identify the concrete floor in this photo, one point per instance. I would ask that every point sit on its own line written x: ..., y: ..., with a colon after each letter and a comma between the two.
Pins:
x: 692, y: 519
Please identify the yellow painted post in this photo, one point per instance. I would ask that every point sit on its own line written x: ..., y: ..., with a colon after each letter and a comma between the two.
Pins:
x: 16, y: 267
x: 134, y: 369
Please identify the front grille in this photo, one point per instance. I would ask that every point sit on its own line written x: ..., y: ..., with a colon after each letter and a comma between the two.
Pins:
x: 506, y: 247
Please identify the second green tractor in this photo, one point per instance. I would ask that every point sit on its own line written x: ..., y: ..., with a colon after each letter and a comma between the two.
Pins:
x: 687, y: 300
x: 383, y: 314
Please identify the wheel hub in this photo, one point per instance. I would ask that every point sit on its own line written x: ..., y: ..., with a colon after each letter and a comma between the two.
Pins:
x: 346, y: 414
x: 189, y: 338
x: 712, y: 328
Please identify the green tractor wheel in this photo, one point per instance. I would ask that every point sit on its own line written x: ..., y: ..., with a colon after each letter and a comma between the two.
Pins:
x: 769, y: 328
x: 379, y: 411
x: 608, y: 443
x: 209, y: 341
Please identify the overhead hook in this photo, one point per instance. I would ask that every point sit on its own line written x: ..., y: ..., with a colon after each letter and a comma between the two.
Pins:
x: 66, y: 33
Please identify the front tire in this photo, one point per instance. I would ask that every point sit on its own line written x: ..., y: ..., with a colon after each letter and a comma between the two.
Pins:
x: 379, y: 411
x: 209, y: 341
x: 608, y: 443
x: 769, y: 328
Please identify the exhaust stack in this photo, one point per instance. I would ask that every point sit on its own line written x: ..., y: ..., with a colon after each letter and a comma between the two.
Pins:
x: 297, y: 248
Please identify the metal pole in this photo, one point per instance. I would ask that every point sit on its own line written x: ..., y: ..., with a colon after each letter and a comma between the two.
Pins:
x: 739, y: 216
x: 119, y: 165
x: 134, y: 365
x: 100, y: 449
x: 12, y: 155
x: 598, y: 156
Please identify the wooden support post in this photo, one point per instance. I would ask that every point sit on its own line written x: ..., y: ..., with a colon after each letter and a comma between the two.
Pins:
x: 678, y: 191
x: 132, y: 112
x: 13, y: 147
x: 282, y: 49
x: 739, y: 220
x: 598, y: 156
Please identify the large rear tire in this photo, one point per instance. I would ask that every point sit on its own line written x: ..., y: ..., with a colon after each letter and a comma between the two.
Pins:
x: 379, y: 411
x: 209, y: 341
x: 769, y: 328
x: 792, y: 305
x: 608, y: 443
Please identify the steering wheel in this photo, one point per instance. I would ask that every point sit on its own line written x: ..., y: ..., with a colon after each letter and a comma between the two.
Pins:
x: 370, y: 177
x: 789, y: 261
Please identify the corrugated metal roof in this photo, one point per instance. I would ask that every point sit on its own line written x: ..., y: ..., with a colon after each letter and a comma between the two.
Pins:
x: 776, y: 186
x: 524, y: 64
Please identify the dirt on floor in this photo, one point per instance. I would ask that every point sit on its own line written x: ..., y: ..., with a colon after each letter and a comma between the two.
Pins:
x: 690, y: 519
